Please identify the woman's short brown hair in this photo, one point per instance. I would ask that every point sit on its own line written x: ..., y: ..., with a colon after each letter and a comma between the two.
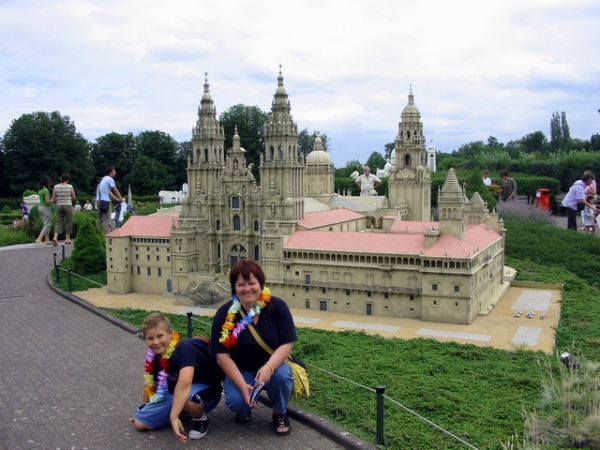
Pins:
x: 245, y: 268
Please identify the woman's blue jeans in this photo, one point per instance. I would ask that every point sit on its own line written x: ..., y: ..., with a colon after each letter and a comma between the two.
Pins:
x: 279, y: 389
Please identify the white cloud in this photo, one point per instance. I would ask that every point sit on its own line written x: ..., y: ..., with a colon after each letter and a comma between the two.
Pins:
x: 476, y: 68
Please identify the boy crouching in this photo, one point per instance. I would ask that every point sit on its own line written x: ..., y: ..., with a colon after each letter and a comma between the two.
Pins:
x: 179, y: 376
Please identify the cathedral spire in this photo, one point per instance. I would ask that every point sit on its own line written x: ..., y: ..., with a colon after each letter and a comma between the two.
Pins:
x: 206, y: 96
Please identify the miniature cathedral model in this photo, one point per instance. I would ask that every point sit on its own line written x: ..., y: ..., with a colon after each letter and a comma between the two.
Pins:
x: 319, y: 250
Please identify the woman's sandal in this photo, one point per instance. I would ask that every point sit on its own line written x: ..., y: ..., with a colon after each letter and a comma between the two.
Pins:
x: 238, y: 418
x: 281, y: 422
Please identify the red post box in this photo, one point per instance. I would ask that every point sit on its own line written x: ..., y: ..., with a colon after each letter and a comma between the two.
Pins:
x: 542, y: 199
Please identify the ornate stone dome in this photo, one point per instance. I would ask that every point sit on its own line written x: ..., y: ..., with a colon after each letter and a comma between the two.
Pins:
x: 318, y: 157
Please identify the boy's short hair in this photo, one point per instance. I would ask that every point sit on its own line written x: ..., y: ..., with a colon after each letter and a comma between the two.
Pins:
x: 155, y: 320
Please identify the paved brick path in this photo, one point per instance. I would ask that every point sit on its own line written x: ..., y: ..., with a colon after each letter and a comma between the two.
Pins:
x: 70, y: 379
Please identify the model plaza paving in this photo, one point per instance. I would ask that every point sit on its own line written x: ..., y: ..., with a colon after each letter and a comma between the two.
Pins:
x: 500, y: 327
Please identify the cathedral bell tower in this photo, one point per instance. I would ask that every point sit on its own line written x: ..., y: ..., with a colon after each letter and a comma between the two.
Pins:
x: 208, y: 147
x: 410, y: 178
x: 281, y: 170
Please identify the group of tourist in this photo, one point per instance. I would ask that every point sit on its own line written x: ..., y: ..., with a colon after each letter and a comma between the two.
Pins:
x: 62, y: 195
x: 189, y: 375
x: 581, y: 198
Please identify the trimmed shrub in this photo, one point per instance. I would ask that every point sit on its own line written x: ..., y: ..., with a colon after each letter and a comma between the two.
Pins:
x: 88, y: 254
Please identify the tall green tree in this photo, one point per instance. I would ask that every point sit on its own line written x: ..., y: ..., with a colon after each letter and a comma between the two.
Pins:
x: 155, y: 166
x: 559, y: 131
x: 306, y: 142
x: 595, y: 143
x: 149, y: 176
x: 158, y: 146
x: 184, y: 151
x: 494, y: 142
x: 249, y: 121
x: 470, y: 150
x: 375, y: 161
x: 4, y: 182
x: 113, y: 149
x: 534, y: 143
x: 43, y: 143
x: 388, y: 150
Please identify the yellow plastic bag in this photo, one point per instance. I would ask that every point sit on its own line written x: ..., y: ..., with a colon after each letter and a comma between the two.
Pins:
x: 301, y: 387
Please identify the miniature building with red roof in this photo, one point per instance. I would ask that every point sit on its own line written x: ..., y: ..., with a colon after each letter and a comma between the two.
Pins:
x: 320, y: 250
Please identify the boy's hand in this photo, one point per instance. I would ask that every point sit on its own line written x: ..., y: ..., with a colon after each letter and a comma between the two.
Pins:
x: 178, y: 430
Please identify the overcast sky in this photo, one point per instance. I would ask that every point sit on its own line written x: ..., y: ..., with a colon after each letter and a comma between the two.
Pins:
x: 477, y: 67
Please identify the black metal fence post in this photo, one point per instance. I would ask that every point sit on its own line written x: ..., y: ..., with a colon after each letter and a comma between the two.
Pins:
x: 190, y: 325
x: 57, y: 269
x: 70, y: 280
x: 63, y: 251
x: 380, y: 390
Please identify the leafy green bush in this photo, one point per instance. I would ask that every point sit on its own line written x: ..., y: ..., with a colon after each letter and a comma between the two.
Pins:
x: 151, y: 208
x: 88, y: 255
x: 11, y: 236
x: 475, y: 184
x: 9, y: 218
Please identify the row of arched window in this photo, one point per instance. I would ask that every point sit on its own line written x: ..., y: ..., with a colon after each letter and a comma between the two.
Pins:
x: 366, y: 259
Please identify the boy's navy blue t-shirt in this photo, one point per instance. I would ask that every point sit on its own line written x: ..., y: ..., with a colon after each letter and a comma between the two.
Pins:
x: 197, y: 354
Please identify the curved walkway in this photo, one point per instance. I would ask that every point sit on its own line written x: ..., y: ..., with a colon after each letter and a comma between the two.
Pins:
x: 69, y: 378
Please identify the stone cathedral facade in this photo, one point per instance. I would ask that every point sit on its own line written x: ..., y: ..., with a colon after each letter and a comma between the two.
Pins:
x: 320, y: 250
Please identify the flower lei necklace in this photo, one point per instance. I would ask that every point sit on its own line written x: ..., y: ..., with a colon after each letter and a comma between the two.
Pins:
x: 231, y: 330
x: 156, y: 391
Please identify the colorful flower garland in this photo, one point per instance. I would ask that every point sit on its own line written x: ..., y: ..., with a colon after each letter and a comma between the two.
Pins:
x: 155, y: 392
x: 231, y: 330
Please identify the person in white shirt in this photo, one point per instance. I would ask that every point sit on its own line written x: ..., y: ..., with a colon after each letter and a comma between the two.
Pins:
x: 576, y: 199
x: 367, y: 182
x: 486, y: 178
x: 104, y: 193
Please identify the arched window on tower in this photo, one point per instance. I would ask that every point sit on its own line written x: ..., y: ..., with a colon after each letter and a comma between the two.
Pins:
x: 407, y: 161
x: 237, y: 223
x: 235, y: 202
x: 271, y: 153
x: 205, y: 155
x: 408, y: 134
x: 280, y: 152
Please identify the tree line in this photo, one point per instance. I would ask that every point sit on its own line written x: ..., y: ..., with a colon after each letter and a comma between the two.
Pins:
x: 48, y: 143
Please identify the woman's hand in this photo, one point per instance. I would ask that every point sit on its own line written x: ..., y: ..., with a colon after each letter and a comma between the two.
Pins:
x: 246, y: 389
x: 264, y: 374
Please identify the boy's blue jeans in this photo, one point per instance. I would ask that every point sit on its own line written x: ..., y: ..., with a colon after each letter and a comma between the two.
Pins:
x: 279, y: 389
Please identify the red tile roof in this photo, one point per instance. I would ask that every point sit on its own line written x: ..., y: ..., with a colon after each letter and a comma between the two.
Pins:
x: 477, y: 237
x: 331, y: 217
x: 400, y: 226
x: 146, y: 226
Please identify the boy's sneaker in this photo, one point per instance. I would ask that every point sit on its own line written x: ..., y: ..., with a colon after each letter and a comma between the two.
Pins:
x: 199, y: 428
